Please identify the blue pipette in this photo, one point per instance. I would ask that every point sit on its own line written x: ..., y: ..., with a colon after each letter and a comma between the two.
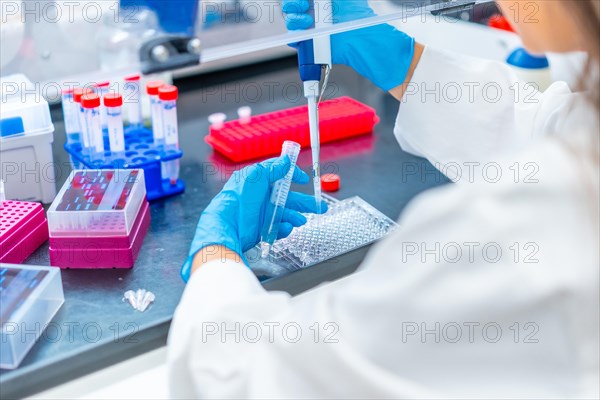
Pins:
x: 276, y: 203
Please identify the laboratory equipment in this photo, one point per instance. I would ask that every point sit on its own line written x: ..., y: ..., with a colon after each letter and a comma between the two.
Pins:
x: 330, y: 182
x: 216, y: 120
x: 70, y: 114
x: 263, y: 136
x: 312, y: 56
x: 276, y: 204
x: 30, y: 296
x: 113, y: 103
x: 167, y: 95
x: 156, y: 111
x: 84, y: 137
x: 347, y: 225
x: 23, y: 228
x: 99, y: 219
x: 26, y: 136
x: 244, y: 114
x: 101, y: 89
x: 91, y: 109
x: 139, y: 299
x: 132, y: 101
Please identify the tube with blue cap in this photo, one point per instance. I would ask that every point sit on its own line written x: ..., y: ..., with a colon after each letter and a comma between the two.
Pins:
x: 313, y: 55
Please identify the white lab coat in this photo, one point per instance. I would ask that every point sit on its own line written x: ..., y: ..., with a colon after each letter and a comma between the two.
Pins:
x: 511, y: 266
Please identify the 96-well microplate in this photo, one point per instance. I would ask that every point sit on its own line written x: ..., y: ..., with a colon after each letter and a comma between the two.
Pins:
x: 347, y: 225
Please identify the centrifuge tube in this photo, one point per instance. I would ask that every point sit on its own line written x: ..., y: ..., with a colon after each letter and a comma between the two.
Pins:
x: 244, y: 114
x: 168, y: 96
x: 216, y: 120
x: 84, y: 137
x: 102, y: 90
x: 276, y: 204
x: 156, y: 112
x: 132, y: 97
x: 2, y: 192
x: 113, y: 103
x: 91, y: 105
x: 70, y: 116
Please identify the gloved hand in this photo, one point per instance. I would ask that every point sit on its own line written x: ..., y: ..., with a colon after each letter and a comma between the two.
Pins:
x: 234, y: 218
x: 380, y: 53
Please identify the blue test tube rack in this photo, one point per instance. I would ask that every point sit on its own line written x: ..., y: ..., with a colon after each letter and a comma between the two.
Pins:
x: 140, y: 153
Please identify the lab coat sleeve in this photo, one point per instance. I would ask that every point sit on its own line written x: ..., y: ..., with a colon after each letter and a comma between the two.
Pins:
x: 476, y: 295
x: 460, y: 110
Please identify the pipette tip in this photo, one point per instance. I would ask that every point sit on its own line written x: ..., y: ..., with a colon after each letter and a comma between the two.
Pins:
x: 265, y: 248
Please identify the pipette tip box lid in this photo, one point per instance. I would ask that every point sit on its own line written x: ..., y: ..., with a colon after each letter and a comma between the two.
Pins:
x: 30, y: 296
x: 97, y: 203
x: 23, y: 228
x: 262, y: 135
x: 99, y: 219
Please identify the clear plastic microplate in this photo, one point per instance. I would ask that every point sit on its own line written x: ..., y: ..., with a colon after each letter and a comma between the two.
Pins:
x: 348, y: 225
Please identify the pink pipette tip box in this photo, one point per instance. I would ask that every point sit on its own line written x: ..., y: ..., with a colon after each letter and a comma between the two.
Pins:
x: 99, y: 219
x: 101, y: 252
x: 23, y: 228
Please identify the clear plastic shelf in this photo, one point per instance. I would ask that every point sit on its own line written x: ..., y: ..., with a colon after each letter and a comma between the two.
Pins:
x: 97, y: 203
x: 348, y: 224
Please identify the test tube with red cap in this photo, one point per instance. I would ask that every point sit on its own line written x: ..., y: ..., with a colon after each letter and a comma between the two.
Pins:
x: 84, y: 137
x: 113, y: 103
x: 132, y: 96
x: 156, y: 112
x: 91, y: 105
x: 168, y: 97
x: 70, y: 116
x: 101, y: 91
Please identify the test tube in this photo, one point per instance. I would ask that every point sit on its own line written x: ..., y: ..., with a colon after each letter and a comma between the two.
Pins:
x: 70, y: 116
x: 91, y: 105
x: 156, y: 111
x: 244, y: 114
x: 168, y: 97
x: 101, y: 91
x: 84, y: 137
x: 132, y: 97
x: 2, y: 192
x: 276, y: 204
x: 113, y: 103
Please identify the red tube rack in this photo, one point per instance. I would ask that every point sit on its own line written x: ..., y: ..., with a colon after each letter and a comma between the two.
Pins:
x: 263, y: 136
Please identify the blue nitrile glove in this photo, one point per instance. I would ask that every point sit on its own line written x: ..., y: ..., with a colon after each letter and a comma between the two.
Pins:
x: 234, y: 218
x: 380, y: 53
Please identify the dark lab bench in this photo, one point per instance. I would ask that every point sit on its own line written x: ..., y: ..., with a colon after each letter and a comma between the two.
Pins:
x: 95, y: 328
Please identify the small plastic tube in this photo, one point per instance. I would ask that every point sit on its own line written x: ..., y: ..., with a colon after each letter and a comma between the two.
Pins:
x: 70, y: 116
x: 276, y: 204
x: 84, y: 137
x: 216, y: 120
x: 91, y: 105
x: 132, y: 96
x: 168, y: 96
x: 101, y: 91
x: 244, y: 114
x: 113, y: 103
x: 156, y: 111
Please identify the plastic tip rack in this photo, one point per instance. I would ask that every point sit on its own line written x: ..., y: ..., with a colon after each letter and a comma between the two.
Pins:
x: 262, y: 135
x: 23, y: 228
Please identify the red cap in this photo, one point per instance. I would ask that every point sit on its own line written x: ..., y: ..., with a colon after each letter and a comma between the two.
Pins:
x: 103, y: 84
x: 500, y: 22
x: 330, y: 182
x: 78, y: 92
x: 168, y: 93
x: 113, y: 100
x: 90, y: 100
x: 131, y: 78
x: 152, y: 87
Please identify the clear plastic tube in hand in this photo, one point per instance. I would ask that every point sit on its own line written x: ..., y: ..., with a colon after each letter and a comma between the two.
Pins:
x: 167, y: 95
x: 276, y: 204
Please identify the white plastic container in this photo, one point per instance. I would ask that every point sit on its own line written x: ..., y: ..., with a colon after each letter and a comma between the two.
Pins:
x: 26, y: 136
x: 29, y: 299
